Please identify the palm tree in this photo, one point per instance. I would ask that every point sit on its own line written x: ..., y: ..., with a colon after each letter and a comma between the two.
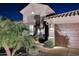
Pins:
x: 14, y: 35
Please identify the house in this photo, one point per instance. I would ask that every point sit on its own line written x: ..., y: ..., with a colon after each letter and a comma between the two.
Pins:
x: 63, y: 28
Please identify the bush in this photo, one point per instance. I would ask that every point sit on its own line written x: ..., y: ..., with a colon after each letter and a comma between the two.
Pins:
x: 48, y: 44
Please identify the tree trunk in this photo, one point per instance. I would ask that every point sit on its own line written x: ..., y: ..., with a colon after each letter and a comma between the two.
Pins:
x: 15, y: 49
x: 5, y: 46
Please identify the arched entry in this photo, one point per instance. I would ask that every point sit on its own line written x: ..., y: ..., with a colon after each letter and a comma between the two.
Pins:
x: 41, y: 29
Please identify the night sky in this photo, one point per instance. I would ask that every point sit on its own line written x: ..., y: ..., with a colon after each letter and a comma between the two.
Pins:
x: 12, y: 10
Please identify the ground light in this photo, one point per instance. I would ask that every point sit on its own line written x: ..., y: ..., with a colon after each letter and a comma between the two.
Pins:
x: 58, y: 47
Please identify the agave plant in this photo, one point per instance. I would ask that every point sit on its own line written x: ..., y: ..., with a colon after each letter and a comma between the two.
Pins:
x: 14, y: 35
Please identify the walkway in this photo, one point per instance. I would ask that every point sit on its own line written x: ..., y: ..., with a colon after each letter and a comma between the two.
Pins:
x: 57, y: 51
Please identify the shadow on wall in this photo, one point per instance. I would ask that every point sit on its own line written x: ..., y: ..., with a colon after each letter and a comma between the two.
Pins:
x: 60, y: 40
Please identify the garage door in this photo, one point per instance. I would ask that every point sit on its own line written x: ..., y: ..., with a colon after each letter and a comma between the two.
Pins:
x: 67, y: 35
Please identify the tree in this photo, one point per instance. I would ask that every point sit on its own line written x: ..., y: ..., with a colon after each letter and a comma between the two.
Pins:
x: 14, y: 35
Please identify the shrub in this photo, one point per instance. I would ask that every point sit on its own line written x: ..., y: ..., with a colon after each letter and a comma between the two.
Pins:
x: 48, y: 44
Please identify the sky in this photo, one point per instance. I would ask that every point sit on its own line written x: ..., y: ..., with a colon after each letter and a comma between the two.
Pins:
x: 12, y: 10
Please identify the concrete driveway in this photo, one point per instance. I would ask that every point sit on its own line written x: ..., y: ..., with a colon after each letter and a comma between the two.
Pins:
x: 60, y: 51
